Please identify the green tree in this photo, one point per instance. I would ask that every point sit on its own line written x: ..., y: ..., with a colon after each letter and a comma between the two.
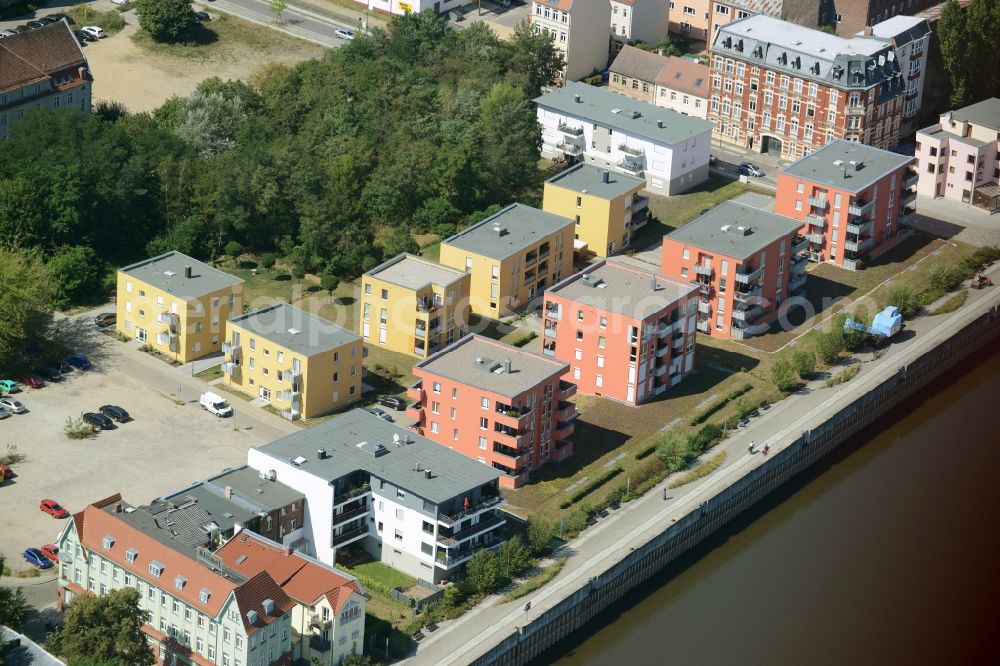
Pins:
x: 953, y: 34
x: 673, y: 451
x: 107, y: 629
x: 804, y: 363
x: 513, y: 559
x: 356, y: 660
x: 983, y: 25
x: 905, y: 299
x: 783, y: 376
x: 268, y: 260
x: 14, y: 608
x: 234, y: 250
x: 830, y: 344
x: 25, y: 311
x: 329, y: 282
x: 77, y: 276
x: 539, y: 533
x: 853, y: 338
x: 165, y: 20
x: 510, y: 141
x: 534, y: 61
x: 483, y: 572
x: 278, y: 8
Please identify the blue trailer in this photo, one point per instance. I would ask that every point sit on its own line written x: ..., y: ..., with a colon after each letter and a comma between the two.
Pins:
x: 884, y: 326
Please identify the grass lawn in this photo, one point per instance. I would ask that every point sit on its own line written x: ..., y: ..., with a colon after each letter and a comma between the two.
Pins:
x: 391, y: 578
x: 393, y: 361
x: 678, y: 210
x: 224, y: 39
x: 215, y: 372
x: 429, y: 244
x: 267, y: 286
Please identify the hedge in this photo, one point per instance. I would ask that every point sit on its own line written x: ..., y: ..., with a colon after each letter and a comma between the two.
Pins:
x: 591, y: 487
x: 701, y: 418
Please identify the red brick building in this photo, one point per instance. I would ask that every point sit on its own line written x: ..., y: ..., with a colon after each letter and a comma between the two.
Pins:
x: 626, y: 331
x: 780, y: 88
x: 500, y: 405
x: 745, y: 262
x: 856, y: 201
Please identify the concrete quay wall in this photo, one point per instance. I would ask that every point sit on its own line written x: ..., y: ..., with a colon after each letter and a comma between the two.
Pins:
x: 601, y: 591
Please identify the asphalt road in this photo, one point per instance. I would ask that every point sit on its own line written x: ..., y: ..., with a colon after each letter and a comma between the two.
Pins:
x: 296, y: 21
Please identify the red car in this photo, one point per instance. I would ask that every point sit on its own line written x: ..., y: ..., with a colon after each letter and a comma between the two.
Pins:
x: 51, y: 552
x: 52, y: 508
x: 33, y: 381
x: 6, y: 473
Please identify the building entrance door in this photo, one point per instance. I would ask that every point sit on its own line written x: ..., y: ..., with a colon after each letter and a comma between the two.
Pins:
x: 140, y: 334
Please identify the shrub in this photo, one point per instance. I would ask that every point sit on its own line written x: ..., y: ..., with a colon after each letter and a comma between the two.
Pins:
x: 701, y: 470
x: 704, y: 439
x: 298, y: 272
x: 905, y: 299
x: 952, y: 304
x: 165, y: 20
x: 12, y: 456
x: 701, y: 418
x: 646, y: 451
x: 592, y: 486
x: 847, y: 374
x: 673, y: 451
x: 804, y: 363
x: 78, y: 428
x: 829, y: 345
x: 539, y: 534
x: 267, y: 260
x: 110, y: 21
x: 235, y: 250
x: 783, y: 376
x: 524, y: 339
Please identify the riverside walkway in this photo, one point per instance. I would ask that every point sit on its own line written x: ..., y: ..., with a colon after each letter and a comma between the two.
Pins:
x: 464, y: 640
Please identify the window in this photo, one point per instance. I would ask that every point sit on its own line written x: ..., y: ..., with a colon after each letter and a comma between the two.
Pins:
x: 385, y: 294
x: 482, y: 443
x: 155, y: 568
x: 600, y: 342
x: 484, y: 423
x: 484, y: 402
x: 398, y: 535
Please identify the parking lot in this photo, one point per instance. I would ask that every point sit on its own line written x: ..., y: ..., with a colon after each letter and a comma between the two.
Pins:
x: 169, y: 443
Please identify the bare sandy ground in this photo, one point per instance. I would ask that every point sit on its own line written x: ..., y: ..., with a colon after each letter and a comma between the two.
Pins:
x: 142, y: 80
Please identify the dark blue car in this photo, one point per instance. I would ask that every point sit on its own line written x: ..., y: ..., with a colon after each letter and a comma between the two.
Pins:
x: 78, y: 361
x: 37, y: 558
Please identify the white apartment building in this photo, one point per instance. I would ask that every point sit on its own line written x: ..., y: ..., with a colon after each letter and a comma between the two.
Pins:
x: 409, y: 502
x: 910, y: 37
x: 43, y: 67
x: 580, y: 29
x: 584, y: 123
x: 638, y: 21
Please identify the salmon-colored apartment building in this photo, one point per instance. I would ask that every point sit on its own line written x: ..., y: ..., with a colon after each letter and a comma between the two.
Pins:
x: 503, y: 406
x: 626, y: 331
x: 743, y: 260
x: 856, y: 201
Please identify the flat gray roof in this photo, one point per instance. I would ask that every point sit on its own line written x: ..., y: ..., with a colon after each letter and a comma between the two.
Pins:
x: 508, y: 231
x: 251, y: 495
x: 413, y: 272
x: 985, y: 113
x: 623, y: 286
x: 601, y: 106
x: 903, y: 29
x: 480, y: 362
x: 821, y: 167
x: 352, y: 440
x: 589, y: 179
x: 27, y: 652
x: 706, y: 231
x: 296, y: 329
x: 166, y: 272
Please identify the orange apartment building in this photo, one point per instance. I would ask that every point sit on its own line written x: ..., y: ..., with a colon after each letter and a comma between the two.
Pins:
x: 498, y: 404
x: 626, y: 331
x: 855, y: 201
x: 743, y: 261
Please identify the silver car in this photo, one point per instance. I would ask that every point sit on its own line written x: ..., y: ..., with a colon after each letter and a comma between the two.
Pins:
x: 13, y: 406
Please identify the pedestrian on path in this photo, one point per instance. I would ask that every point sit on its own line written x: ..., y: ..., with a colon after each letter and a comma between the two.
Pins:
x: 766, y: 449
x: 750, y: 448
x: 664, y: 493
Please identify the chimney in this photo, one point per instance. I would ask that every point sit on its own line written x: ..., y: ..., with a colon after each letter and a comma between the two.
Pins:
x: 652, y: 283
x: 118, y: 507
x: 187, y: 271
x: 321, y: 454
x: 659, y: 123
x: 506, y: 365
x: 577, y: 98
x: 868, y: 31
x: 605, y: 175
x: 427, y: 474
x: 229, y: 492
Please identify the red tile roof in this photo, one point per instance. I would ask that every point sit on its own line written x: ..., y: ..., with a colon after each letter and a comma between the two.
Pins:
x: 301, y: 578
x: 685, y: 76
x: 38, y: 54
x: 252, y: 594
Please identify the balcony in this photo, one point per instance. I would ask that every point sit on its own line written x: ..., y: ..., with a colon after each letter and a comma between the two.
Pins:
x: 908, y: 198
x: 819, y: 202
x: 566, y: 390
x: 704, y: 308
x: 631, y: 150
x: 910, y: 179
x: 854, y: 110
x: 484, y: 525
x: 638, y: 219
x: 420, y: 332
x: 639, y: 202
x: 550, y: 331
x: 743, y: 277
x: 317, y: 644
x: 552, y: 311
x: 797, y: 282
x: 512, y: 418
x: 510, y: 438
x: 662, y: 350
x: 860, y: 207
x: 678, y: 341
x: 799, y: 264
x: 416, y: 391
x: 703, y: 269
x: 426, y: 305
x: 418, y: 350
x: 800, y: 244
x: 702, y: 325
x: 704, y: 289
x: 570, y: 148
x: 907, y: 216
x: 348, y: 516
x: 852, y: 246
x: 660, y: 370
x: 514, y: 458
x: 566, y: 411
x: 350, y: 494
x: 569, y: 130
x: 816, y: 239
x: 747, y: 315
x: 632, y: 168
x: 744, y: 298
x: 447, y: 559
x: 339, y: 540
x: 171, y: 319
x: 817, y: 221
x: 484, y: 504
x: 862, y: 229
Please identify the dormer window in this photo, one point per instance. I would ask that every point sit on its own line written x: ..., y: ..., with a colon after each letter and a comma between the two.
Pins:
x: 109, y: 541
x: 252, y: 617
x: 156, y: 568
x: 269, y: 606
x: 179, y: 582
x: 130, y: 555
x: 204, y: 595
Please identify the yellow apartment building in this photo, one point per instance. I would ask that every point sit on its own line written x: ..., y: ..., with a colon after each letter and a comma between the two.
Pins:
x: 177, y: 304
x: 512, y: 257
x: 300, y: 363
x: 413, y: 305
x: 606, y: 208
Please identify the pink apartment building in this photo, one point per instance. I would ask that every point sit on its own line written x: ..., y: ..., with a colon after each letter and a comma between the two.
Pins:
x: 626, y: 331
x: 500, y: 405
x: 744, y: 262
x: 856, y: 201
x: 959, y: 157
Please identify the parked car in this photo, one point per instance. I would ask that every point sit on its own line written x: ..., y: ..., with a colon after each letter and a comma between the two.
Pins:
x: 34, y: 381
x: 79, y: 361
x: 93, y: 30
x: 52, y: 508
x: 9, y: 386
x: 48, y: 374
x: 7, y: 33
x: 380, y: 413
x: 59, y: 17
x: 216, y: 404
x: 6, y: 473
x: 104, y: 319
x: 4, y: 413
x: 344, y: 33
x: 50, y: 551
x: 35, y: 24
x: 115, y: 412
x: 201, y: 17
x: 749, y: 169
x: 45, y: 20
x: 83, y: 38
x: 99, y: 421
x: 393, y: 402
x: 21, y: 28
x: 13, y: 406
x: 120, y: 2
x: 37, y: 558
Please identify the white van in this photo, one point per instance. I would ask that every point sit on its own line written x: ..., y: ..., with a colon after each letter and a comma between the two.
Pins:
x: 215, y: 403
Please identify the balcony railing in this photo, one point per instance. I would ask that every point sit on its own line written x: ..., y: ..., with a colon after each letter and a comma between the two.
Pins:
x: 347, y: 537
x: 704, y: 308
x: 678, y: 342
x: 748, y: 277
x: 569, y: 130
x: 819, y: 202
x: 348, y: 516
x: 799, y: 264
x: 702, y: 325
x: 907, y: 216
x: 569, y: 148
x: 800, y: 244
x: 910, y: 179
x: 862, y: 229
x: 484, y: 504
x: 817, y: 221
x: 427, y: 305
x: 797, y: 282
x: 566, y: 390
x: 703, y: 269
x: 852, y: 246
x: 631, y: 150
x: 553, y: 312
x: 860, y: 207
x: 348, y: 495
x: 317, y: 644
x: 631, y: 168
x: 854, y: 110
x: 639, y: 202
x: 420, y: 332
x: 908, y: 198
x: 746, y: 315
x: 816, y: 239
x: 566, y: 412
x: 484, y: 525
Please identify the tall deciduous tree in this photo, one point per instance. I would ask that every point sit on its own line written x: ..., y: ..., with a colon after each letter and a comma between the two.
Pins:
x: 534, y: 60
x: 952, y: 32
x: 13, y: 606
x: 983, y: 26
x: 165, y: 20
x: 107, y: 629
x: 25, y: 312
